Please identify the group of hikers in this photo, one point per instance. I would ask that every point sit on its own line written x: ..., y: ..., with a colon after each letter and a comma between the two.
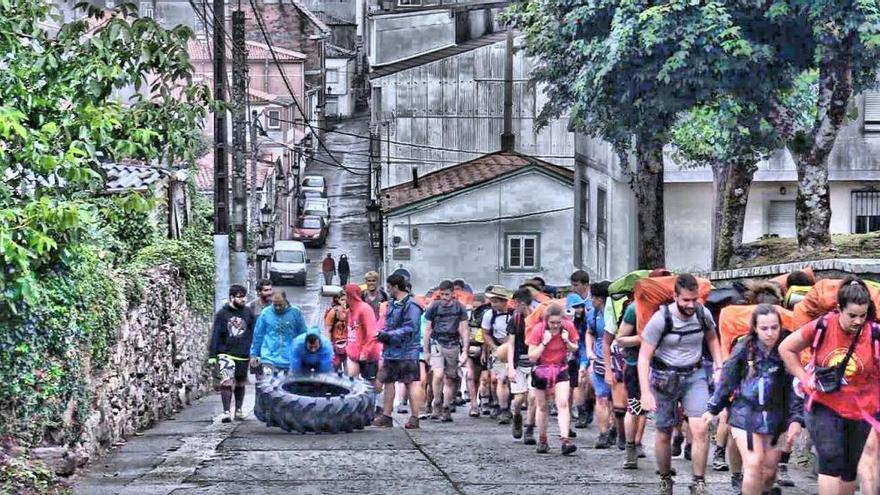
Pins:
x: 615, y: 354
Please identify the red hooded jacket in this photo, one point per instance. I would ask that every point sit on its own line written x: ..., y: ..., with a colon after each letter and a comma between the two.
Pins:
x: 361, y: 325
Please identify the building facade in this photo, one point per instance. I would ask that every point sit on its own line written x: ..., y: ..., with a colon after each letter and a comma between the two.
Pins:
x: 606, y: 239
x: 499, y: 219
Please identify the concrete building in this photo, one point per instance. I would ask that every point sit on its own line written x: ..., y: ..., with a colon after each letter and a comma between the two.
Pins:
x: 447, y: 106
x: 340, y: 82
x: 498, y: 219
x: 605, y: 217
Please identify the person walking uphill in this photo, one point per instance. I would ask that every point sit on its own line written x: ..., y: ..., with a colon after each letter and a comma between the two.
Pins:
x: 344, y: 270
x: 328, y: 268
x: 361, y: 348
x: 400, y: 351
x: 230, y: 344
x: 764, y: 404
x: 671, y: 371
x: 549, y: 344
x: 275, y: 330
x: 842, y: 383
x: 446, y: 333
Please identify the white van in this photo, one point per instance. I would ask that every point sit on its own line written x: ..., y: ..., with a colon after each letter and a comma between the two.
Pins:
x: 318, y: 207
x: 288, y: 262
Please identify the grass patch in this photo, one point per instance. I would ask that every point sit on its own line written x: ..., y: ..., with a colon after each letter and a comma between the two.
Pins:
x: 785, y: 250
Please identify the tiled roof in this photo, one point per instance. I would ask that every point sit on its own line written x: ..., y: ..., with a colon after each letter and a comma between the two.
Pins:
x: 200, y: 51
x: 387, y: 70
x: 131, y: 176
x: 333, y: 51
x: 312, y: 17
x: 464, y: 176
x: 205, y: 171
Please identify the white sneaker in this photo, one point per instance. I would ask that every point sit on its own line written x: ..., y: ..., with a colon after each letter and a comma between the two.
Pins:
x: 227, y: 417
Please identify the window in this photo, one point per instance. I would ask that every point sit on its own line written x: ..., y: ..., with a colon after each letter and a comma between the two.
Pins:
x: 865, y: 211
x: 601, y: 213
x: 872, y: 111
x: 781, y: 219
x: 522, y: 251
x: 289, y: 257
x: 310, y: 223
x: 273, y: 119
x: 409, y: 3
x: 585, y: 204
x: 332, y: 76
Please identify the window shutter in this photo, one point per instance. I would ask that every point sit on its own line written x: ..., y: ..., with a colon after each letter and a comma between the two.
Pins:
x: 872, y: 111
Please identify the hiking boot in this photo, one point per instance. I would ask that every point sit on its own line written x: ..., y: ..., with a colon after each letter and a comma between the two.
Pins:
x: 452, y: 408
x: 423, y: 414
x: 505, y: 417
x: 676, y: 446
x: 775, y: 491
x: 572, y: 433
x: 687, y: 451
x: 698, y: 487
x: 612, y: 436
x: 640, y: 451
x: 447, y: 415
x: 474, y: 413
x: 239, y: 416
x: 402, y: 408
x: 529, y: 435
x: 602, y: 441
x: 666, y: 484
x: 621, y: 441
x: 719, y: 463
x: 581, y: 422
x: 543, y: 447
x: 553, y: 411
x: 783, y: 478
x: 736, y: 481
x: 568, y: 448
x: 672, y: 472
x: 495, y: 412
x: 412, y: 423
x: 227, y: 417
x: 383, y: 421
x: 631, y: 460
x: 517, y: 426
x: 484, y: 406
x: 429, y: 408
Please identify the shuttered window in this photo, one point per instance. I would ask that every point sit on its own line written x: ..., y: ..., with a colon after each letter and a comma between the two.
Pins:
x: 522, y: 251
x: 866, y: 211
x: 781, y: 219
x: 872, y: 111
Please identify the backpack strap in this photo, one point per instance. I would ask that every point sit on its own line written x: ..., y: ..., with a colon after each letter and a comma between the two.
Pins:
x: 668, y: 325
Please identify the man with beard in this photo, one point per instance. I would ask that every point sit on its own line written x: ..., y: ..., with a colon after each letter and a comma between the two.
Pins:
x: 274, y: 332
x: 230, y: 344
x: 671, y: 371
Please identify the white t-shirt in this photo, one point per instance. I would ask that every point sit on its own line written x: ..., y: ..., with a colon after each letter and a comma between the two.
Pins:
x: 499, y: 328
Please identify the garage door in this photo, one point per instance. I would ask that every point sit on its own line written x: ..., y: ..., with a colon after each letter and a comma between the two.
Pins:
x: 780, y: 219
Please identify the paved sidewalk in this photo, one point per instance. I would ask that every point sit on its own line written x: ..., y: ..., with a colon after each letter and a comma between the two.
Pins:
x: 192, y: 454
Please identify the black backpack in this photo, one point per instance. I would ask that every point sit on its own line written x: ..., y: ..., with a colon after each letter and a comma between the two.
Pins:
x: 669, y: 327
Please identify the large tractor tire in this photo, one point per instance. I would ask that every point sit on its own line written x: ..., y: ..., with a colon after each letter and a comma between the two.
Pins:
x: 315, y: 403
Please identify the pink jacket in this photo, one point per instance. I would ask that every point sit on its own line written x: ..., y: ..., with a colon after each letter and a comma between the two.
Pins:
x: 361, y: 326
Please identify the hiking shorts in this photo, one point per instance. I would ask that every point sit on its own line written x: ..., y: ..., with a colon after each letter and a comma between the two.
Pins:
x: 446, y: 359
x: 541, y: 384
x: 839, y: 441
x: 600, y: 387
x: 520, y: 383
x: 402, y: 371
x: 671, y: 387
x: 499, y: 369
x: 633, y: 392
x: 369, y: 370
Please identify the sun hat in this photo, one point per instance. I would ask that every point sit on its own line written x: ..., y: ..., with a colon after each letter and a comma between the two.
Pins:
x: 498, y: 291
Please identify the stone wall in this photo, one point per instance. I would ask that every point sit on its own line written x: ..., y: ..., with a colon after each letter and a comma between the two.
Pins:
x: 156, y: 367
x: 868, y: 268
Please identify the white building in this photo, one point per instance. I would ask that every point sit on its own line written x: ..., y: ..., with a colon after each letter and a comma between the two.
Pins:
x: 605, y: 218
x: 340, y: 81
x: 498, y: 219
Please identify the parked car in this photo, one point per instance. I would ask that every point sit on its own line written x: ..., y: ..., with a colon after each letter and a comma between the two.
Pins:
x: 289, y: 262
x: 307, y: 195
x: 311, y: 230
x: 314, y: 183
x: 317, y: 206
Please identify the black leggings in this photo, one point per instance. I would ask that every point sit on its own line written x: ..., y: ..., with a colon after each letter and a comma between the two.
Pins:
x: 839, y: 441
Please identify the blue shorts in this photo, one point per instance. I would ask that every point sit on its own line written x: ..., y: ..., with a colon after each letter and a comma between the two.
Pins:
x: 600, y: 387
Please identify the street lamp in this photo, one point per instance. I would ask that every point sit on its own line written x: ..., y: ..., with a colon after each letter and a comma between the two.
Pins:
x: 266, y: 215
x: 374, y: 216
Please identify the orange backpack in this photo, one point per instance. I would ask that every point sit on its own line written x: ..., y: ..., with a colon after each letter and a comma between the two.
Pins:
x: 821, y: 299
x: 735, y: 321
x: 651, y: 293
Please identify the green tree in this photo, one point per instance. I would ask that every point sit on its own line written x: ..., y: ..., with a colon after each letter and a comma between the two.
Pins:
x: 731, y: 137
x: 626, y: 69
x: 62, y: 111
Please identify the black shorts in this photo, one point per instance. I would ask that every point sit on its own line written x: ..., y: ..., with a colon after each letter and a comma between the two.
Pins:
x: 241, y: 369
x: 631, y: 380
x: 403, y: 371
x: 839, y: 442
x: 369, y: 370
x: 541, y: 384
x: 573, y: 368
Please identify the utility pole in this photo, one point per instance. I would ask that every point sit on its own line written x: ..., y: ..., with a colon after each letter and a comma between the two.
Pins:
x: 221, y: 172
x: 507, y: 136
x: 239, y: 150
x: 255, y: 155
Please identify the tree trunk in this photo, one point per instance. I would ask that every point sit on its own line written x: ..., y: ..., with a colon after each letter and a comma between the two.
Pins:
x: 733, y: 181
x: 814, y: 198
x: 648, y: 187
